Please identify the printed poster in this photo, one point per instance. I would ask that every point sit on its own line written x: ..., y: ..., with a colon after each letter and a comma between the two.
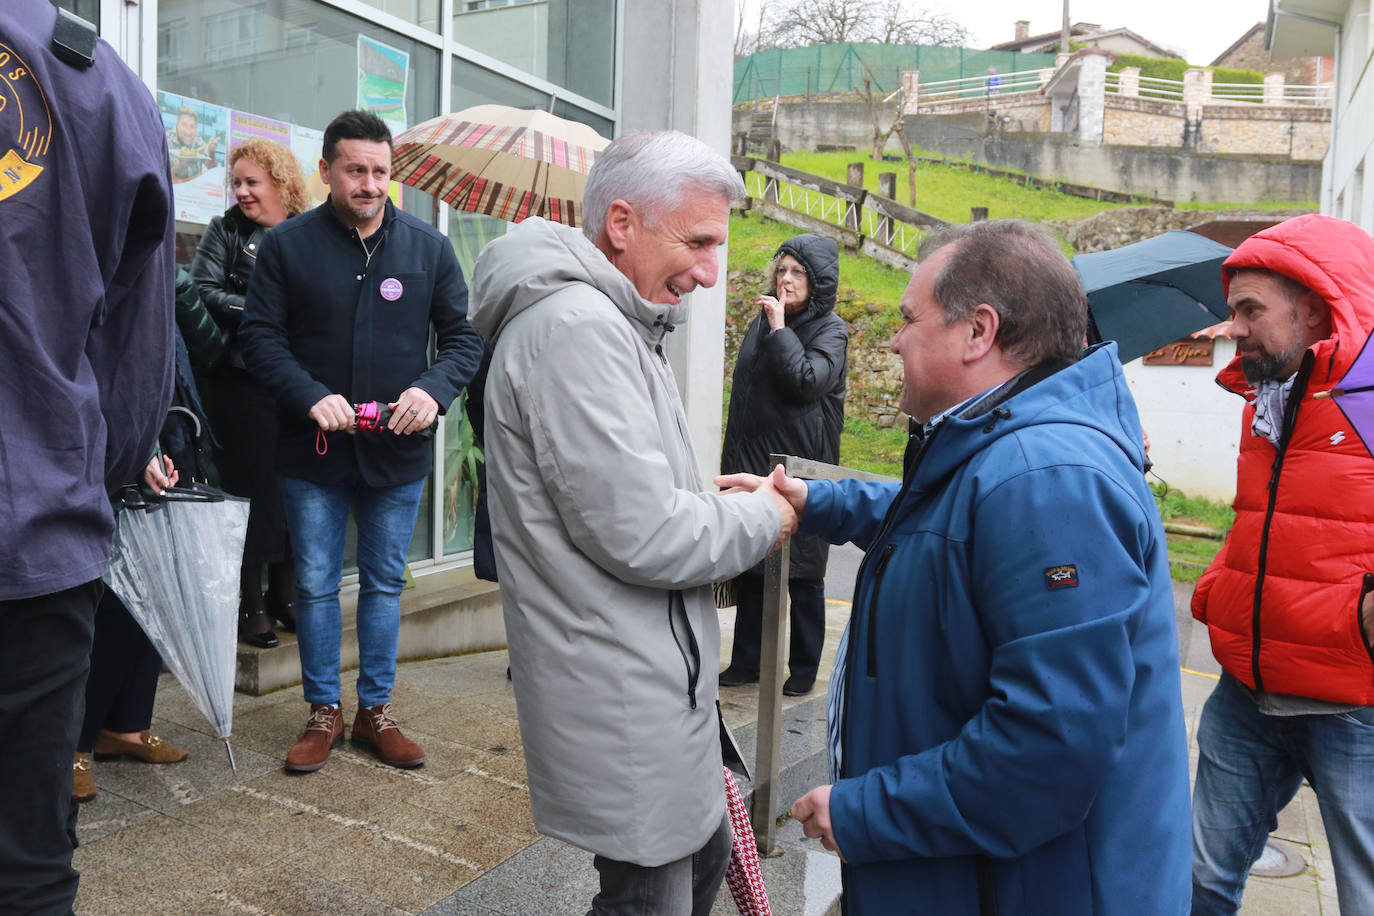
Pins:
x: 307, y: 143
x: 382, y: 75
x: 198, y: 142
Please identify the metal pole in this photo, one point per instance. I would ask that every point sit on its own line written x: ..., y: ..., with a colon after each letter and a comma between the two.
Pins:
x: 768, y: 755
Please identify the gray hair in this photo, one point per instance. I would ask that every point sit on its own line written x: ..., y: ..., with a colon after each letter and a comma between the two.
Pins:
x: 651, y: 172
x: 1018, y: 269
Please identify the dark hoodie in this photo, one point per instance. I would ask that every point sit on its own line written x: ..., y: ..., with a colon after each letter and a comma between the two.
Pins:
x: 787, y: 393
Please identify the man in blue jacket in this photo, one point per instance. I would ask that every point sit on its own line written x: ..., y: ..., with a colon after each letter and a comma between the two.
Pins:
x: 338, y: 313
x: 85, y: 379
x: 1007, y: 726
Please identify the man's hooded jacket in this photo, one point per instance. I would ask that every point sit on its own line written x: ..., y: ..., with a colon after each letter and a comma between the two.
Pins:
x: 606, y: 545
x: 1282, y: 599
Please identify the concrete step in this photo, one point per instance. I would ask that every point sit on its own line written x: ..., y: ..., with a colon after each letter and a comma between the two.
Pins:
x: 448, y: 612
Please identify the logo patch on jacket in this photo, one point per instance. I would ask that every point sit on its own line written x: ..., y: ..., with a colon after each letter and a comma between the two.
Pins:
x: 1057, y: 577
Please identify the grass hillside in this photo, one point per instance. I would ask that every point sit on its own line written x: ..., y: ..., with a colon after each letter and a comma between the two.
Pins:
x: 869, y: 293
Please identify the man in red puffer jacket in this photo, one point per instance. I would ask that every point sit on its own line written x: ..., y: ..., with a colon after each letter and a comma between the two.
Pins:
x: 1287, y: 600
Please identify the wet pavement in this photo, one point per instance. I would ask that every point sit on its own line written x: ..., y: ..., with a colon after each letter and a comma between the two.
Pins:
x: 455, y: 836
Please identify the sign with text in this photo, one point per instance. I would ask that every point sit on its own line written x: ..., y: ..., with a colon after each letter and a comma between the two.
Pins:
x: 1186, y: 352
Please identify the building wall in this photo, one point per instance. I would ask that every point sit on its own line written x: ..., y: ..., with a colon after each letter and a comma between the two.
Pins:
x: 1193, y: 425
x: 1345, y: 193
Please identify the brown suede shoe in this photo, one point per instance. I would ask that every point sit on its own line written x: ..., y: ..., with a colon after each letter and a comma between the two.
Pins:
x: 375, y: 729
x: 149, y: 749
x: 83, y: 780
x: 323, y: 732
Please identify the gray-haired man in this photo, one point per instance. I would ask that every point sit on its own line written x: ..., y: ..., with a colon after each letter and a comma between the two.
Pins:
x: 606, y: 542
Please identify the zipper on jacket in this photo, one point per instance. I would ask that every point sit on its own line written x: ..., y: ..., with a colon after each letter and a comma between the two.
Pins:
x: 1365, y: 589
x: 873, y: 608
x: 692, y: 660
x: 1290, y: 417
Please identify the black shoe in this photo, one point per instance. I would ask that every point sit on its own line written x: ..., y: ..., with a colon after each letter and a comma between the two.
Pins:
x: 250, y: 632
x: 735, y: 677
x: 285, y: 616
x: 798, y: 686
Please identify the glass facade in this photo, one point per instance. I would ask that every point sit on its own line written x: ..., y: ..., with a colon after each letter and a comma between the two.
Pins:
x: 88, y: 10
x: 285, y: 68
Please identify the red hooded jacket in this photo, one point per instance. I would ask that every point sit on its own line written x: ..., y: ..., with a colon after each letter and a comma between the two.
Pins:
x: 1282, y: 599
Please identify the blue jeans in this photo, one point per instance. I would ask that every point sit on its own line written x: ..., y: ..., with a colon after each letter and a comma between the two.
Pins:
x: 1250, y: 766
x: 317, y: 516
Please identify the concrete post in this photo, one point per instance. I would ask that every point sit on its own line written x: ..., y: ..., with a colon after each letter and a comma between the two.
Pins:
x: 1195, y: 94
x: 911, y: 86
x: 1130, y: 81
x: 1092, y: 104
x: 887, y: 185
x: 1060, y: 59
x: 855, y: 175
x: 1273, y: 88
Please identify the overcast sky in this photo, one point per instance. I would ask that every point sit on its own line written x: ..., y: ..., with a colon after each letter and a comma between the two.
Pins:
x: 1200, y: 29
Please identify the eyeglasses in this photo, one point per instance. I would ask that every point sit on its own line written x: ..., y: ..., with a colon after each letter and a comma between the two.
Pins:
x: 790, y: 272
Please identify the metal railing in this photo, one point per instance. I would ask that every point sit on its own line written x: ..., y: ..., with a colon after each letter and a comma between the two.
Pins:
x: 969, y: 87
x: 772, y: 663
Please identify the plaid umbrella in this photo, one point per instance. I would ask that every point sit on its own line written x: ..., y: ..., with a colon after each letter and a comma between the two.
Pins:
x: 505, y: 162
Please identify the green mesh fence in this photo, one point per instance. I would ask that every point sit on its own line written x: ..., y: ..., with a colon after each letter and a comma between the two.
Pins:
x: 842, y: 67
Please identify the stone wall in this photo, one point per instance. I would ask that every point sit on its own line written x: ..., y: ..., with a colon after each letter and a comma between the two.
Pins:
x: 1125, y: 225
x: 1135, y: 121
x: 1301, y: 133
x: 1168, y: 174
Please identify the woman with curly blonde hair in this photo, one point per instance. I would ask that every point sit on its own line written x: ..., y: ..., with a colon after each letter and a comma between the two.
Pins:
x: 268, y: 188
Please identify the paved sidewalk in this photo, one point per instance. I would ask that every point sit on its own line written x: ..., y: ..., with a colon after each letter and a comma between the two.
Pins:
x: 455, y: 836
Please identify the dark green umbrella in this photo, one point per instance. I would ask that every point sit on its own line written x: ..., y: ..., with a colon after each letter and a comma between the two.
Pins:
x: 1148, y: 294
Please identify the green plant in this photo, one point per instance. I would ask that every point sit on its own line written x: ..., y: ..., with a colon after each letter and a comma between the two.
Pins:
x: 462, y: 459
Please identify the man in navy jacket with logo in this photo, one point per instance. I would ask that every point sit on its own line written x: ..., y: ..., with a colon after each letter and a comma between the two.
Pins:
x: 338, y: 313
x: 85, y: 379
x: 1005, y: 708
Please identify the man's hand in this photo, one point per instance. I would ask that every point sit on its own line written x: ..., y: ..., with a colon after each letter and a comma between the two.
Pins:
x: 333, y: 413
x: 159, y: 477
x: 812, y: 810
x: 413, y: 411
x: 789, y: 493
x: 793, y: 489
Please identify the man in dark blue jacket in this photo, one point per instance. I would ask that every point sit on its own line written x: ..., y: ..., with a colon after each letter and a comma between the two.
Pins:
x: 1007, y: 726
x: 85, y: 378
x: 338, y: 313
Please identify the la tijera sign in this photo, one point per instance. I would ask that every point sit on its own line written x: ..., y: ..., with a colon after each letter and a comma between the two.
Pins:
x: 1187, y: 352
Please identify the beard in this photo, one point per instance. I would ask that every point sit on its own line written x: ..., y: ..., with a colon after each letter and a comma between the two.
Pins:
x: 364, y: 209
x: 1264, y: 366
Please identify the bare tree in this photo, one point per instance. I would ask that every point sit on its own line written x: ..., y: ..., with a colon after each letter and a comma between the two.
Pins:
x: 884, y: 122
x: 747, y: 42
x: 896, y: 24
x: 813, y: 22
x: 799, y: 23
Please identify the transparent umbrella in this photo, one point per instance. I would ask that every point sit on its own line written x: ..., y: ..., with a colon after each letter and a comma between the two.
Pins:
x: 175, y: 565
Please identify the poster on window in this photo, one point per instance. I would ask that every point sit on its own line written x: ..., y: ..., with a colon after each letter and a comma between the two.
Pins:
x: 197, y: 141
x: 382, y: 75
x: 308, y: 143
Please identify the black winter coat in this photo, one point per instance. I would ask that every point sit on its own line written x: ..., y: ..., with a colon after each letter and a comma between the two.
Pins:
x: 224, y: 261
x: 787, y: 393
x: 326, y: 317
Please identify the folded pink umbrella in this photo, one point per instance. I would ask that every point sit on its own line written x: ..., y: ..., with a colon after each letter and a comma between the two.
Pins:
x: 743, y: 873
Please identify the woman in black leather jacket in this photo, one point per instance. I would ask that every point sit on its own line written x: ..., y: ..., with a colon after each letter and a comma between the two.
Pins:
x: 787, y: 397
x: 269, y: 188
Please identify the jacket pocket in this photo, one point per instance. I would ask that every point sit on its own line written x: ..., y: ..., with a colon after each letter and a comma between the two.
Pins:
x: 691, y: 652
x: 1364, y: 617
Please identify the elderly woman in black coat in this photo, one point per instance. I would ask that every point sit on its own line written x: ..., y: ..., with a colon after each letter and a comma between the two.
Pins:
x: 787, y: 397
